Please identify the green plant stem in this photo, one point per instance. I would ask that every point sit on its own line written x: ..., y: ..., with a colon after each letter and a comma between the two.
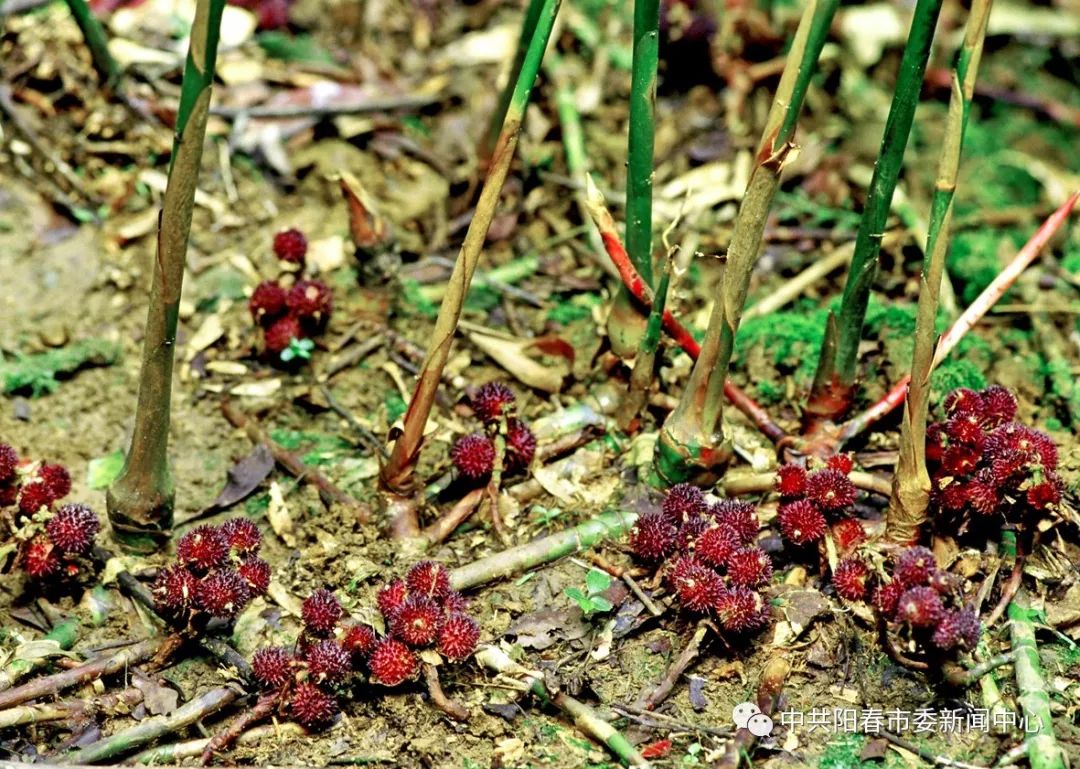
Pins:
x: 62, y: 637
x: 529, y: 23
x: 691, y: 441
x: 397, y: 476
x: 911, y: 482
x: 97, y: 41
x: 140, y: 502
x: 641, y: 376
x: 177, y: 751
x: 834, y: 381
x: 1044, y: 752
x: 544, y: 550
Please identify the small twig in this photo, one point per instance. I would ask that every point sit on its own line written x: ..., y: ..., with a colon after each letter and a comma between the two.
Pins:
x: 897, y: 653
x: 656, y: 720
x: 262, y: 709
x: 647, y: 602
x: 922, y: 752
x: 285, y: 111
x: 447, y: 705
x: 959, y: 676
x: 329, y: 493
x: 689, y: 653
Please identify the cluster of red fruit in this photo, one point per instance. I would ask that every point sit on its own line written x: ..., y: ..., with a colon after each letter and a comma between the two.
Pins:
x: 51, y: 539
x: 217, y: 573
x: 982, y: 461
x: 419, y: 612
x: 474, y: 455
x: 708, y: 555
x: 928, y: 601
x: 285, y: 314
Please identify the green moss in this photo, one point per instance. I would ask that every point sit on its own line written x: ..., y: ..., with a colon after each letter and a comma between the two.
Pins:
x: 843, y: 752
x: 975, y: 258
x: 37, y: 374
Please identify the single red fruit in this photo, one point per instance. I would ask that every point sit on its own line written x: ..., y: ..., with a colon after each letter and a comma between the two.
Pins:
x: 697, y: 586
x: 390, y: 598
x: 1008, y: 468
x: 957, y: 629
x: 683, y: 500
x: 851, y: 579
x: 843, y: 463
x: 455, y: 603
x: 653, y: 537
x: 848, y: 534
x: 520, y: 445
x: 982, y: 496
x: 739, y: 516
x: 272, y: 667
x: 267, y: 302
x: 281, y: 333
x: 312, y: 707
x: 42, y: 559
x: 327, y: 662
x: 920, y: 607
x: 967, y: 430
x: 1014, y: 436
x: 716, y: 545
x: 310, y: 301
x: 959, y: 460
x: 392, y: 662
x: 222, y: 594
x: 999, y: 406
x: 741, y: 610
x: 458, y: 637
x: 9, y: 460
x: 73, y: 527
x: 914, y: 566
x: 256, y: 573
x: 290, y: 246
x: 33, y: 497
x: 491, y: 401
x: 887, y: 596
x: 56, y: 479
x: 203, y: 548
x: 242, y: 536
x: 474, y: 456
x: 1045, y: 493
x: 791, y: 480
x: 320, y: 612
x: 749, y: 567
x: 801, y: 522
x: 174, y: 589
x: 429, y: 580
x: 935, y: 443
x: 963, y: 401
x: 416, y: 621
x: 943, y: 582
x: 831, y: 489
x: 359, y: 640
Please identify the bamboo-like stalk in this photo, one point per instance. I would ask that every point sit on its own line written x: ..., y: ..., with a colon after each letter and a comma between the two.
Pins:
x: 641, y: 376
x: 834, y: 381
x: 525, y: 38
x: 1044, y: 752
x: 972, y: 315
x: 911, y: 481
x: 97, y: 41
x: 64, y: 635
x: 140, y: 501
x: 397, y: 474
x: 76, y: 708
x: 692, y: 442
x: 174, y: 752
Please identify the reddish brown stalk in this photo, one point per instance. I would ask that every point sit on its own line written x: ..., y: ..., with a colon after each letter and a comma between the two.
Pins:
x: 1008, y: 592
x: 972, y: 315
x: 769, y: 690
x: 444, y: 526
x: 263, y: 708
x: 676, y: 330
x: 451, y: 707
x: 686, y: 658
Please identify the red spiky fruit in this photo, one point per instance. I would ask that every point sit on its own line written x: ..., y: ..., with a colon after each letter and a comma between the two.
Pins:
x: 73, y: 527
x: 520, y: 445
x: 280, y: 334
x: 791, y: 480
x: 390, y: 598
x: 1008, y: 468
x: 327, y: 662
x: 56, y: 479
x: 33, y: 497
x: 9, y: 461
x: 943, y: 582
x: 222, y: 594
x: 312, y: 707
x: 966, y: 430
x: 935, y: 443
x: 982, y: 495
x: 957, y: 629
x: 416, y: 622
x: 290, y: 246
x: 359, y: 641
x: 42, y: 558
x: 455, y: 603
x: 697, y: 586
x: 920, y: 607
x: 999, y: 406
x: 714, y: 546
x: 739, y: 516
x: 741, y: 610
x: 392, y: 662
x: 320, y: 612
x: 311, y: 301
x: 749, y: 567
x: 492, y: 401
x: 1045, y: 493
x: 848, y: 533
x: 683, y: 500
x: 458, y: 637
x: 801, y: 522
x: 272, y: 667
x: 963, y: 401
x: 887, y: 596
x: 242, y: 535
x: 960, y: 460
x: 174, y: 589
x: 843, y: 463
x: 428, y: 579
x: 203, y: 548
x: 1014, y: 436
x: 267, y: 302
x: 654, y: 536
x: 914, y: 566
x: 831, y: 489
x: 473, y: 455
x: 851, y: 579
x: 256, y: 573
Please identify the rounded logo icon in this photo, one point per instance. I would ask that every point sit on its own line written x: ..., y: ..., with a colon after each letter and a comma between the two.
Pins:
x: 759, y: 725
x: 743, y: 712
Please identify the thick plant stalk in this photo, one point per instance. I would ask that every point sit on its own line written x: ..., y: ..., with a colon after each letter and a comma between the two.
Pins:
x: 397, y: 474
x: 834, y: 381
x: 528, y: 31
x: 140, y: 501
x: 972, y: 315
x: 97, y: 41
x: 911, y: 482
x: 625, y: 324
x: 692, y: 442
x: 544, y: 550
x: 62, y: 637
x: 1044, y: 752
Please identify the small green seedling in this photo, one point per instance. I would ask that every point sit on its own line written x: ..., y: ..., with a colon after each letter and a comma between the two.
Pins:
x: 298, y: 349
x: 590, y: 600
